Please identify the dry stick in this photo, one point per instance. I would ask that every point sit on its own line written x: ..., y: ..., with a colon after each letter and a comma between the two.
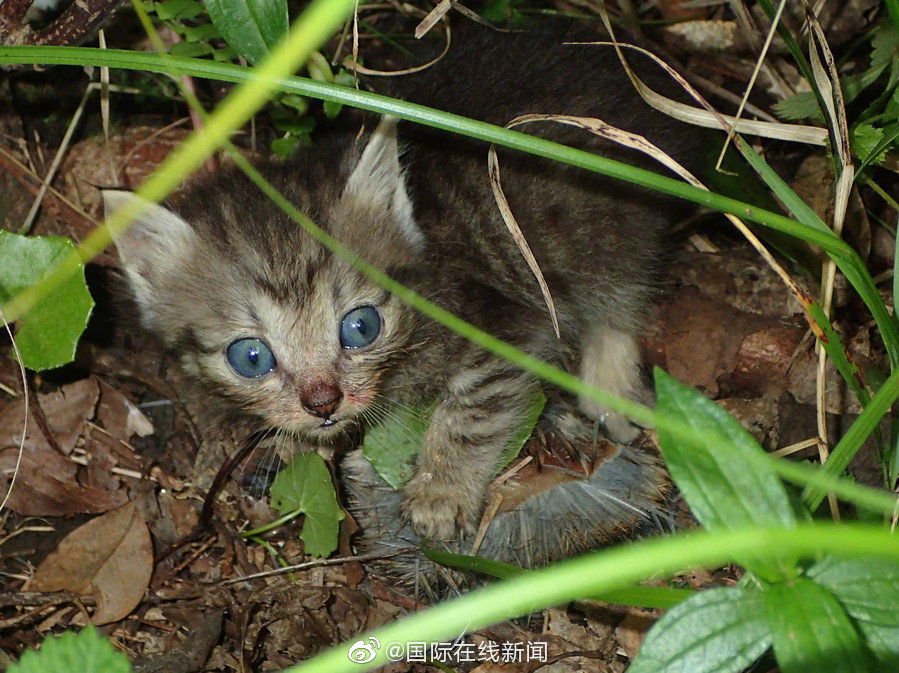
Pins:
x: 37, y: 412
x: 798, y: 446
x: 829, y: 84
x: 745, y: 19
x: 104, y: 109
x: 374, y: 556
x: 60, y: 153
x: 26, y: 400
x: 71, y: 214
x: 755, y: 72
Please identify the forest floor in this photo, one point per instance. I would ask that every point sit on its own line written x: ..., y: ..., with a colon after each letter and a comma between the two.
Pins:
x: 119, y: 433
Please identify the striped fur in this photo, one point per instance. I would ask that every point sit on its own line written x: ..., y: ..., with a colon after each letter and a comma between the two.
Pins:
x: 224, y: 263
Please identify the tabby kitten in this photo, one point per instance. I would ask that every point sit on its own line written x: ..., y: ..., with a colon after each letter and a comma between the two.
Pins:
x: 295, y: 337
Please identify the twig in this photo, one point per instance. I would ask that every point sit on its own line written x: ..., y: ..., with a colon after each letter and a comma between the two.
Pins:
x: 374, y: 556
x: 26, y: 400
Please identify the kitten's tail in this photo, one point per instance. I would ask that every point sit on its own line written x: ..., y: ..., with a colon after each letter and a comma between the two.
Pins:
x: 546, y: 514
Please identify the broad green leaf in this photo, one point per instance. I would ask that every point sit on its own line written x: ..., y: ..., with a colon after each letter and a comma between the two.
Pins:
x: 305, y: 486
x: 802, y: 105
x: 715, y: 471
x: 298, y: 103
x: 812, y: 632
x: 516, y: 443
x: 716, y: 631
x: 392, y: 445
x: 865, y: 139
x: 190, y: 49
x: 206, y: 31
x: 86, y: 652
x: 180, y: 10
x: 252, y: 27
x: 868, y: 589
x: 48, y: 334
x: 285, y: 147
x: 884, y: 46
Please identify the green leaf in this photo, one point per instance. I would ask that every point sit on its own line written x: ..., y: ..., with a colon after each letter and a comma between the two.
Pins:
x: 85, y: 652
x: 224, y: 54
x: 513, y: 448
x: 391, y: 446
x: 716, y: 631
x: 713, y: 471
x: 868, y: 589
x: 285, y: 147
x: 289, y: 122
x: 884, y: 46
x: 802, y: 105
x: 190, y: 49
x: 48, y: 334
x: 251, y: 27
x: 865, y: 139
x: 305, y: 486
x: 179, y: 10
x: 206, y: 31
x: 811, y: 631
x: 298, y: 103
x: 343, y: 78
x: 319, y: 69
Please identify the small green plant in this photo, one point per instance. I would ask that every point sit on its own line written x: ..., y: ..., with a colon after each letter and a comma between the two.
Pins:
x: 875, y: 130
x: 847, y: 573
x: 48, y: 336
x: 86, y: 652
x: 832, y: 614
x: 226, y: 29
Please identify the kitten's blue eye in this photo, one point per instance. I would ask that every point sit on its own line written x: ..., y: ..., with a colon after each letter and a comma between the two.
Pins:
x: 250, y: 358
x: 360, y: 327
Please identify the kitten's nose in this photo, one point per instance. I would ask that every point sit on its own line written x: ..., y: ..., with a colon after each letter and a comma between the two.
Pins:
x: 321, y: 399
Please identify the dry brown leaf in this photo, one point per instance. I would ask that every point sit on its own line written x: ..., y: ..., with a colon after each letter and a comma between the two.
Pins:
x: 110, y: 558
x: 633, y: 628
x: 119, y: 416
x: 46, y: 483
x: 66, y: 410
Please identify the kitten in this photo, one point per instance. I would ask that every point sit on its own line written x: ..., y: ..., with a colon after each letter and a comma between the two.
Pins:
x: 292, y: 335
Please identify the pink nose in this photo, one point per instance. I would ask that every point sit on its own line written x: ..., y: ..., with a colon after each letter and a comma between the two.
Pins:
x: 321, y: 399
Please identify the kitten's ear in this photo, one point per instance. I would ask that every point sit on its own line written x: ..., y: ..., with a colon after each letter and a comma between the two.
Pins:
x: 154, y: 246
x: 378, y: 180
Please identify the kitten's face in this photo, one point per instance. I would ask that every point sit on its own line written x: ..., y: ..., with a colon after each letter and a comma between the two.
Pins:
x: 260, y: 312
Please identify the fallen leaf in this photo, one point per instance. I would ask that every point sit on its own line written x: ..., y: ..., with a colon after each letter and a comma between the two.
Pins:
x: 119, y: 416
x: 46, y: 483
x: 66, y: 410
x: 110, y: 558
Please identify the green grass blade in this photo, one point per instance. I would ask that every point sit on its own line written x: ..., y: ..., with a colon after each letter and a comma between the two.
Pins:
x: 846, y: 258
x: 601, y: 572
x: 852, y: 441
x: 316, y: 24
x: 636, y: 595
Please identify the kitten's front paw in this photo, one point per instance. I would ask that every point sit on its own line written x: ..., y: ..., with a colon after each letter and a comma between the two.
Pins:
x: 440, y: 510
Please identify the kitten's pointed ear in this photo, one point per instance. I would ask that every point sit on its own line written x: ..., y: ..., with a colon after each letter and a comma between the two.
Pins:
x: 155, y: 244
x: 377, y: 180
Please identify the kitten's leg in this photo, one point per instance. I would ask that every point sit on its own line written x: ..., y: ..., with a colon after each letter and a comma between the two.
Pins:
x: 610, y: 359
x: 484, y: 407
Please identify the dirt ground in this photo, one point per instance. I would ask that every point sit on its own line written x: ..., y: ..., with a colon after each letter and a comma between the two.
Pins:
x: 118, y: 440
